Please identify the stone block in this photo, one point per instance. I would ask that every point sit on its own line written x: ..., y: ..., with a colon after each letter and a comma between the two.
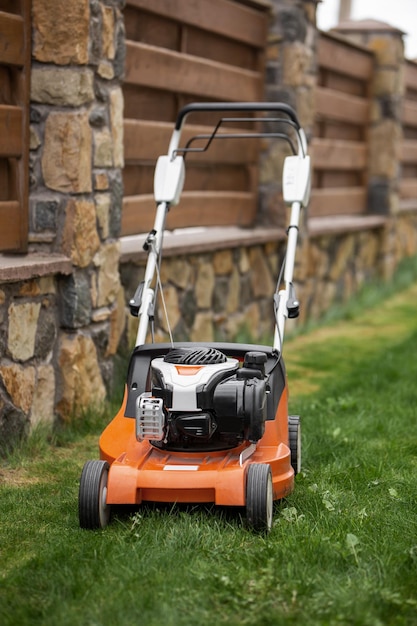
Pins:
x: 178, y: 271
x: 203, y: 327
x: 19, y: 383
x: 117, y: 324
x: 62, y: 87
x: 384, y: 150
x: 105, y: 70
x: 204, y: 285
x: 107, y: 43
x: 296, y: 63
x: 342, y: 258
x: 80, y: 239
x: 116, y: 120
x: 223, y: 262
x: 46, y: 212
x: 103, y: 202
x: 61, y: 31
x: 75, y: 300
x: 46, y: 332
x: 81, y: 384
x: 101, y: 181
x: 23, y: 321
x: 233, y: 296
x: 388, y: 48
x: 66, y: 160
x: 108, y: 282
x: 261, y: 280
x: 43, y: 404
x: 172, y: 307
x: 103, y: 148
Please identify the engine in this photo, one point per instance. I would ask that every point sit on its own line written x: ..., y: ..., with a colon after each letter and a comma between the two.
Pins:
x: 200, y: 399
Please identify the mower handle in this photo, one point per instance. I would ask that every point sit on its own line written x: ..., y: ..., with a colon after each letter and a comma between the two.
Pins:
x: 236, y: 106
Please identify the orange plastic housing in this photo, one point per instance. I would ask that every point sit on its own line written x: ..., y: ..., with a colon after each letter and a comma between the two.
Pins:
x: 142, y: 472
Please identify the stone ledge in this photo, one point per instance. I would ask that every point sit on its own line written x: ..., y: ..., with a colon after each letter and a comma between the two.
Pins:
x: 196, y: 240
x: 407, y: 205
x: 14, y: 268
x: 338, y: 224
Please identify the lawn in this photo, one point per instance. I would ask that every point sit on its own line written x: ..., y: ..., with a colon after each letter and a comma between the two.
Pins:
x: 343, y: 547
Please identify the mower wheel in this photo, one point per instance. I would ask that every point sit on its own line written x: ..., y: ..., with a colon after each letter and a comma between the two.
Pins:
x: 93, y: 512
x: 259, y: 497
x: 294, y: 435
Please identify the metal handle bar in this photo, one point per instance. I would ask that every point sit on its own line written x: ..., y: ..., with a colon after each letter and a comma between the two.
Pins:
x: 225, y: 107
x: 236, y: 106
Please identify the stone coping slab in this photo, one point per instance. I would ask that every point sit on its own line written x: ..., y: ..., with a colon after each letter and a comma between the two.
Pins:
x: 14, y: 267
x: 196, y: 240
x: 338, y: 224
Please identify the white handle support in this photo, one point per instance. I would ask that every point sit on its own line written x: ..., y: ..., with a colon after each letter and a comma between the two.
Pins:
x: 296, y: 179
x: 169, y: 179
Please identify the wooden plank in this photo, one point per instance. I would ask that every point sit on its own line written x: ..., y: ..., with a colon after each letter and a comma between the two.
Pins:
x: 408, y: 153
x: 196, y: 209
x: 408, y: 188
x: 340, y: 178
x: 223, y: 17
x: 165, y: 69
x: 410, y: 75
x: 12, y: 42
x: 343, y: 201
x: 409, y: 117
x: 10, y: 131
x: 336, y: 154
x: 341, y: 107
x: 10, y: 235
x: 345, y: 84
x: 146, y: 140
x: 210, y: 46
x: 344, y: 57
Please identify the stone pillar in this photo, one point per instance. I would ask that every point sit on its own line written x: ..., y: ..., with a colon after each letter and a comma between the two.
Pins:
x: 291, y: 71
x: 385, y: 131
x: 290, y: 78
x: 76, y: 181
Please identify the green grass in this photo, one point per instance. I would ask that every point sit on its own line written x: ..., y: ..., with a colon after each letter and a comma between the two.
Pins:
x: 343, y: 548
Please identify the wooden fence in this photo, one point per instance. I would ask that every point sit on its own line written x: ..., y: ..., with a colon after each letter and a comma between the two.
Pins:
x: 15, y: 59
x: 339, y: 147
x: 177, y: 53
x: 408, y: 184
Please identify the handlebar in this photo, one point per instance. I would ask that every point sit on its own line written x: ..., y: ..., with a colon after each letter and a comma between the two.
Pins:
x: 278, y: 107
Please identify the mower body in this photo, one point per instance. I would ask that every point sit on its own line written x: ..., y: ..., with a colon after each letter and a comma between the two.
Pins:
x: 205, y: 422
x: 196, y: 466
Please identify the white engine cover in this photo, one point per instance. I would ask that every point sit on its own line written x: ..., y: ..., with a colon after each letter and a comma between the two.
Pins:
x: 184, y: 380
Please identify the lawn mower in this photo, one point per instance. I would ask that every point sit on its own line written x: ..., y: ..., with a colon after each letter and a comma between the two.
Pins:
x: 205, y: 422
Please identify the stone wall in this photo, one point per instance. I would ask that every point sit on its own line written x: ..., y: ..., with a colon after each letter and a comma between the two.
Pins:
x: 59, y: 332
x: 213, y: 296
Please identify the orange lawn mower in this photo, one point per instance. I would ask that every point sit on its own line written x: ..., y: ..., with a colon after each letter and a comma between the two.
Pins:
x: 205, y: 422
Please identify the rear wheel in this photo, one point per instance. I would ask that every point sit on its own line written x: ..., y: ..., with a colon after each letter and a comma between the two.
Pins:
x: 259, y: 497
x: 294, y: 435
x: 93, y: 511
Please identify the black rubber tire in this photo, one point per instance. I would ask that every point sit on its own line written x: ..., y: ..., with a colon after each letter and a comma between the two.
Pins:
x: 93, y: 512
x: 294, y: 436
x: 259, y: 497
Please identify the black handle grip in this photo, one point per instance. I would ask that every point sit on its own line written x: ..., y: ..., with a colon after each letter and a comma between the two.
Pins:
x: 226, y: 107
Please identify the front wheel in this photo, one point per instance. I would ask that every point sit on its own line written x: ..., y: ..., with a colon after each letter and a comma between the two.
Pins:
x: 93, y: 511
x: 259, y: 497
